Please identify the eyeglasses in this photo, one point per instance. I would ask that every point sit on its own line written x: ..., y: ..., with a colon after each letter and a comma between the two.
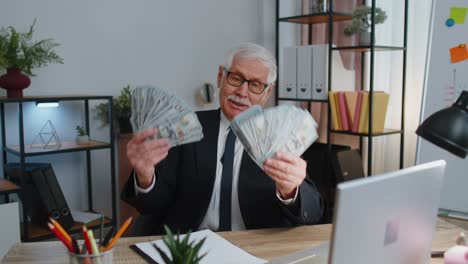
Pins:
x: 237, y: 81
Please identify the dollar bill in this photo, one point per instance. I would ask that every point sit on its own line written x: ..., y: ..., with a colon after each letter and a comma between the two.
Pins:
x: 264, y: 132
x: 153, y: 107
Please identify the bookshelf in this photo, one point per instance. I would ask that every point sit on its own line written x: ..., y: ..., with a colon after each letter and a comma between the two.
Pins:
x: 23, y: 151
x: 330, y: 18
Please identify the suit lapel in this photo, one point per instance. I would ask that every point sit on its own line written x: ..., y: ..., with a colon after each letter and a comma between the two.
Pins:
x: 206, y: 155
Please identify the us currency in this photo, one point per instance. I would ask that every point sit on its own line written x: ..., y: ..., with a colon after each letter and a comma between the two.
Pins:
x: 157, y: 108
x: 264, y: 132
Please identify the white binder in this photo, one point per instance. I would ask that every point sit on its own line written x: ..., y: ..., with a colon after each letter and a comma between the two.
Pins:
x: 304, y: 72
x: 319, y: 72
x: 289, y: 82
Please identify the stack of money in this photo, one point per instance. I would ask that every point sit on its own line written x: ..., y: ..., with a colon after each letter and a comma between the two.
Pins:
x: 153, y: 107
x: 264, y: 132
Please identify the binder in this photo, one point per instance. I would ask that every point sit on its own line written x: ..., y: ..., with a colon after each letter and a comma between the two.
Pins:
x: 304, y: 72
x: 289, y: 87
x: 65, y: 217
x: 42, y: 196
x: 319, y: 72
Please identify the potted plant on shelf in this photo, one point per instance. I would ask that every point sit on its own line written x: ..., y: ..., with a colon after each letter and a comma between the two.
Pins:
x: 82, y: 138
x: 19, y: 55
x: 362, y: 21
x: 122, y: 109
x: 181, y: 250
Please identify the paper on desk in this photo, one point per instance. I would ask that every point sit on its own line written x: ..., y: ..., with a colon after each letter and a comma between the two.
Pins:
x: 84, y: 217
x: 219, y: 250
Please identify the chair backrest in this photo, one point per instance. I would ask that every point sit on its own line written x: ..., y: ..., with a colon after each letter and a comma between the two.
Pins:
x: 347, y: 165
x: 9, y: 228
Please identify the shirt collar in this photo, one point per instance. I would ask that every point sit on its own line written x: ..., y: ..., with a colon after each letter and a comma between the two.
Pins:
x: 224, y: 124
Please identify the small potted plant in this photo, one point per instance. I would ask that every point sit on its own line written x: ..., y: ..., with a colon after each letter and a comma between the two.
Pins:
x: 181, y: 250
x: 361, y: 22
x: 122, y: 108
x: 19, y: 55
x: 82, y: 138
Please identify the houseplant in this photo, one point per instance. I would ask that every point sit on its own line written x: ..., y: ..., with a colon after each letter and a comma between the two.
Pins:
x: 181, y: 250
x: 362, y: 21
x: 82, y: 138
x: 122, y: 110
x: 19, y: 55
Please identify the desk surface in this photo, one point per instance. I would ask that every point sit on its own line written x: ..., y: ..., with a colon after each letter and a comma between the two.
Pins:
x: 263, y: 243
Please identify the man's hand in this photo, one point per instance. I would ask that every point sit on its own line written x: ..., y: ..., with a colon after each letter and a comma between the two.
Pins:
x: 288, y: 171
x: 144, y: 155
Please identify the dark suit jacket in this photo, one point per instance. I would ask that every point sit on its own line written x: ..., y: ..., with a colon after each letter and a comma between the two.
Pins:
x: 184, y: 186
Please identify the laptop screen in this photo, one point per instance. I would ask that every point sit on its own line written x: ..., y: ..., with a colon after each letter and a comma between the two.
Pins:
x: 388, y: 218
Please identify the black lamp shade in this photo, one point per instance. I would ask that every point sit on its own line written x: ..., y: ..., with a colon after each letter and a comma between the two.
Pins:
x: 448, y: 128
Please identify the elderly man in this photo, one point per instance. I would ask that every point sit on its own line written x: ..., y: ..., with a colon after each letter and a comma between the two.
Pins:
x: 214, y: 183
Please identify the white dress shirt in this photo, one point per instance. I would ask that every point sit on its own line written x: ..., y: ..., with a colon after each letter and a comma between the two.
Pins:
x: 211, y: 219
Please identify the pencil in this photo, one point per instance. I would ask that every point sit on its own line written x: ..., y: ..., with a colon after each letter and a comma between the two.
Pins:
x: 61, y: 230
x: 60, y: 237
x: 87, y: 241
x: 92, y: 241
x: 119, y: 234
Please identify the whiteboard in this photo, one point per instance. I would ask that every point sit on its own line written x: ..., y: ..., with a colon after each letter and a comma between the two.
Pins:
x: 444, y: 81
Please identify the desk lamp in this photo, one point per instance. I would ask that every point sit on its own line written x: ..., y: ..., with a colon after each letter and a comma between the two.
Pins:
x: 448, y: 128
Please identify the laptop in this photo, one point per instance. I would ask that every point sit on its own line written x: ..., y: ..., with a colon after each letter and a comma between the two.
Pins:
x: 388, y: 218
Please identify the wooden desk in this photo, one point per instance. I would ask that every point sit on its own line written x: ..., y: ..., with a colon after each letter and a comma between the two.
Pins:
x: 264, y: 243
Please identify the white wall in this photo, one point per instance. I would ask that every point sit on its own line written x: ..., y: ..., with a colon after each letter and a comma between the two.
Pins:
x: 107, y: 44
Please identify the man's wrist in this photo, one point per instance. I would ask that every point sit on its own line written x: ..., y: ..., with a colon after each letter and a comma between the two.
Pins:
x: 145, y: 183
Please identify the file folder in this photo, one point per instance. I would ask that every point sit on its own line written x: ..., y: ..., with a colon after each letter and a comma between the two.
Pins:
x: 304, y: 72
x: 319, y: 72
x: 289, y: 87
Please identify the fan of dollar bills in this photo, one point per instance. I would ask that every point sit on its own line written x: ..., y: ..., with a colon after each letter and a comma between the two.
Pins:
x: 154, y: 107
x: 264, y: 132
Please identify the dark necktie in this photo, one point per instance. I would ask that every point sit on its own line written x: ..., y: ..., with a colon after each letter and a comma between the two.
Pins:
x: 226, y: 183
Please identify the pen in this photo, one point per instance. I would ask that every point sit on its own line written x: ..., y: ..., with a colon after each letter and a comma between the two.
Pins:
x: 76, y: 248
x: 119, y: 234
x: 101, y: 231
x: 108, y: 237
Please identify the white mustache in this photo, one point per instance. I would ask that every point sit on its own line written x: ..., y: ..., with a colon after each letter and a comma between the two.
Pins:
x: 239, y: 100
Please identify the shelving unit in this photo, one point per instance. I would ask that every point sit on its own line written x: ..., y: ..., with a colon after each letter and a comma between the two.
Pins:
x: 32, y: 232
x: 330, y: 18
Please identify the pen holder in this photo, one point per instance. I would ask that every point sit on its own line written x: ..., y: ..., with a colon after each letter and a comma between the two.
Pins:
x: 105, y: 257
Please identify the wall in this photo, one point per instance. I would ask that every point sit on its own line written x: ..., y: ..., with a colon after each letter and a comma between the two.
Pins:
x: 111, y: 43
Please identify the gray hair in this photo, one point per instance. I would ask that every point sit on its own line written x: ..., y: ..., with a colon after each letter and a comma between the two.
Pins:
x: 254, y: 51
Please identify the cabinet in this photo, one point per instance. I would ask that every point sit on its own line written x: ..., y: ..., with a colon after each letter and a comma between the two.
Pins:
x: 23, y: 152
x: 368, y: 67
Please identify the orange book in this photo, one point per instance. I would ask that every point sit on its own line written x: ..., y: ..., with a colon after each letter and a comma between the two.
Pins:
x: 351, y: 100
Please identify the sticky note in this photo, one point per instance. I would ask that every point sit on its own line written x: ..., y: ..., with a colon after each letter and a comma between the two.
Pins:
x: 458, y: 53
x: 458, y: 14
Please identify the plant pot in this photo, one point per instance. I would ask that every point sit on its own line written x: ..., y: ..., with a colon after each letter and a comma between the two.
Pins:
x: 124, y: 125
x: 364, y: 38
x: 14, y: 81
x: 82, y: 140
